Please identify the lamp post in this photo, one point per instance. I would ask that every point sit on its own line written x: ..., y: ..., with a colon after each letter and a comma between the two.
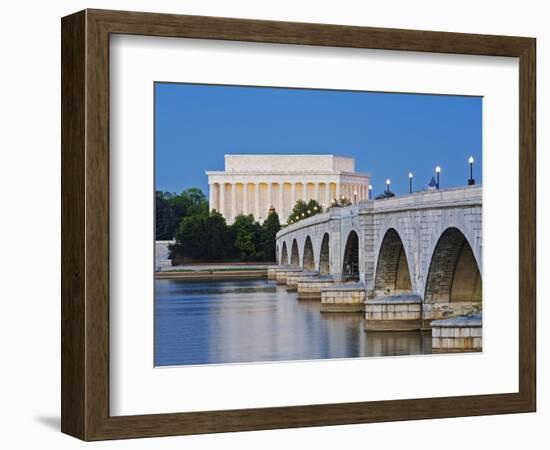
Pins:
x: 355, y: 197
x: 471, y: 180
x: 437, y: 171
x: 370, y: 191
x: 388, y: 182
x: 410, y: 182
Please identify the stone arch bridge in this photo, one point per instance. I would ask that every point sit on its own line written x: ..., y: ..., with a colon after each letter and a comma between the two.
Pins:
x: 424, y: 248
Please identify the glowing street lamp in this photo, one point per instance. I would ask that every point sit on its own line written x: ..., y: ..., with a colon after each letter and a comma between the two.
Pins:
x: 388, y: 182
x: 354, y: 197
x: 370, y: 191
x: 437, y: 171
x: 471, y: 180
x: 410, y: 182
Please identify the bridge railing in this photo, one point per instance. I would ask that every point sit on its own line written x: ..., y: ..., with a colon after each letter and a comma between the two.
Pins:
x: 460, y: 196
x: 444, y: 198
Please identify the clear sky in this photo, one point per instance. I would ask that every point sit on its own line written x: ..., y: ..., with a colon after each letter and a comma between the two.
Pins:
x: 387, y: 134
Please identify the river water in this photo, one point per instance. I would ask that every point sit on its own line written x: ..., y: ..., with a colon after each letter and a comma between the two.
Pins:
x: 255, y: 321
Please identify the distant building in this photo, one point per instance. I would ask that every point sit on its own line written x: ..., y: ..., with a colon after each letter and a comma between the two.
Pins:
x: 251, y: 184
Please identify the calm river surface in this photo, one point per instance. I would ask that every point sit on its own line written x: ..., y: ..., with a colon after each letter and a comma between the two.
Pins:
x: 253, y: 321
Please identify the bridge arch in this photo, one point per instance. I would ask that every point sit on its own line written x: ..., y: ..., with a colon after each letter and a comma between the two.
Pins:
x: 284, y: 254
x: 324, y: 255
x: 392, y: 276
x: 350, y: 261
x: 308, y: 260
x: 453, y: 274
x: 294, y: 253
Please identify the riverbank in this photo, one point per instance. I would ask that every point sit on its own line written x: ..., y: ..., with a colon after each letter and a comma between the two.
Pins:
x: 218, y: 272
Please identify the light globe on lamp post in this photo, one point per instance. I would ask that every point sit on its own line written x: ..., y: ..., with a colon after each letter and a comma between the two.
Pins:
x: 388, y: 182
x: 437, y: 171
x: 410, y: 182
x: 354, y: 197
x: 370, y: 191
x: 471, y: 180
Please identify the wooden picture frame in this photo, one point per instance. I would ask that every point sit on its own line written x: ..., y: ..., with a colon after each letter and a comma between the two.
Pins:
x: 85, y: 224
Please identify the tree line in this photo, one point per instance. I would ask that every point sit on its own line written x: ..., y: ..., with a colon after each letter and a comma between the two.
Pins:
x: 203, y: 235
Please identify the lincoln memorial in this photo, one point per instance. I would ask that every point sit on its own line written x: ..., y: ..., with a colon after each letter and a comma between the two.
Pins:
x: 252, y: 184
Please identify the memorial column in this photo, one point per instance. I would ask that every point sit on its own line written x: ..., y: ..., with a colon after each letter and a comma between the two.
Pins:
x: 233, y: 201
x: 245, y: 198
x: 269, y: 196
x: 281, y: 201
x: 211, y: 205
x: 221, y: 209
x: 257, y: 201
x: 317, y: 193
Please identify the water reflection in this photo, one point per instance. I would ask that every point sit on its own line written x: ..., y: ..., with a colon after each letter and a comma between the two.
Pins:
x: 256, y: 320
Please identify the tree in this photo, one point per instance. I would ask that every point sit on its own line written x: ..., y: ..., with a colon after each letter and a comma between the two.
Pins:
x: 170, y: 208
x: 190, y: 202
x: 247, y: 237
x: 203, y: 237
x: 164, y: 218
x: 270, y: 228
x: 302, y: 210
x: 341, y: 202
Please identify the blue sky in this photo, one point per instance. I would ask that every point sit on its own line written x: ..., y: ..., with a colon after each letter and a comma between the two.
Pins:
x: 387, y: 134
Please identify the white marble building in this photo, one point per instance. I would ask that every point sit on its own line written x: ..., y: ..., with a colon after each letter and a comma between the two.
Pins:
x: 251, y: 184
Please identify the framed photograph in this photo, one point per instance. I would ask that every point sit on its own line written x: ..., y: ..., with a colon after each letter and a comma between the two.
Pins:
x: 273, y: 225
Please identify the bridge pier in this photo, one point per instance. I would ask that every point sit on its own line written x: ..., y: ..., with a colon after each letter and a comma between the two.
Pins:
x: 457, y: 334
x: 349, y: 297
x: 446, y: 310
x: 395, y: 313
x: 282, y: 274
x: 272, y: 271
x: 310, y: 288
x: 293, y: 278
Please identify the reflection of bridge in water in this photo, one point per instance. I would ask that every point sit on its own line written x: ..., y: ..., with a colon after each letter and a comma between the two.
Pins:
x: 405, y: 261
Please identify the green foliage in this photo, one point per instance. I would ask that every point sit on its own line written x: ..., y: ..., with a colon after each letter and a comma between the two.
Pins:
x: 303, y: 210
x: 171, y: 208
x: 203, y: 237
x: 270, y: 228
x: 247, y: 237
x: 190, y: 202
x: 164, y: 218
x: 341, y: 202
